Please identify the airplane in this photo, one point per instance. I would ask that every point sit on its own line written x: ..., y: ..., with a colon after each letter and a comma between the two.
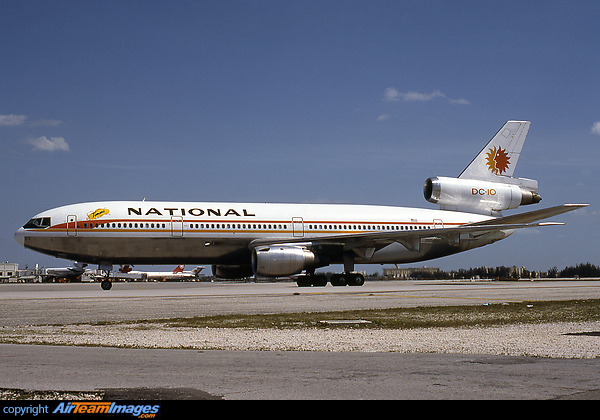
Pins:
x: 178, y: 273
x: 64, y: 272
x: 281, y: 240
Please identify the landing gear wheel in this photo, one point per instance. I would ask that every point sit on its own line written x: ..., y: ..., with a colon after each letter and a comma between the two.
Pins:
x: 356, y: 279
x: 106, y: 284
x: 303, y: 281
x: 319, y: 280
x: 339, y: 280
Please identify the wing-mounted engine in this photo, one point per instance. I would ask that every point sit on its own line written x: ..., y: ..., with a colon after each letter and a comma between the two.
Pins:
x: 482, y: 197
x: 278, y: 260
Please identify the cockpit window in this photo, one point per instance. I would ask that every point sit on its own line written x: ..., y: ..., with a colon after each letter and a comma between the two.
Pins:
x: 39, y: 223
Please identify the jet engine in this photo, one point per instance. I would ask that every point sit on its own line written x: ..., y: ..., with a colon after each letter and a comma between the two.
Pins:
x: 477, y: 196
x: 277, y: 260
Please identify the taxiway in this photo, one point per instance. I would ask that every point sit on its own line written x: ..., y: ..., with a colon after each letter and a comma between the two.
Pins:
x: 45, y: 303
x: 280, y: 374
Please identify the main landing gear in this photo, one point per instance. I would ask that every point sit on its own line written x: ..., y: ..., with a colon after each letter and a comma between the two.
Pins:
x: 347, y: 278
x: 320, y: 280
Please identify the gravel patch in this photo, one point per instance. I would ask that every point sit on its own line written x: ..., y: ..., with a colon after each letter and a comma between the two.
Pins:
x: 555, y: 340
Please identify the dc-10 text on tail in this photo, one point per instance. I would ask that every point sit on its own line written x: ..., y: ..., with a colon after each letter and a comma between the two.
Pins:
x: 279, y: 240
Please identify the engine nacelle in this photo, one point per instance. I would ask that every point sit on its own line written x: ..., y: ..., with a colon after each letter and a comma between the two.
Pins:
x: 476, y: 196
x: 277, y: 260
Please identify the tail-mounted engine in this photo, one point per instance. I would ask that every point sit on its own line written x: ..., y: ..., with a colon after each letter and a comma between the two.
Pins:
x: 277, y: 260
x: 477, y: 196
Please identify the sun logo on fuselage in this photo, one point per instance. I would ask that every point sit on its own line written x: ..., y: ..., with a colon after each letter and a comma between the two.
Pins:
x: 98, y: 213
x: 497, y: 160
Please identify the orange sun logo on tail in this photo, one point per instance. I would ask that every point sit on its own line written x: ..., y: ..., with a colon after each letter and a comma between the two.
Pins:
x: 497, y: 160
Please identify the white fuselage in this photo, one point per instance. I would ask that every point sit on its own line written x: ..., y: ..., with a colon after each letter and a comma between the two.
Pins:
x: 147, y: 232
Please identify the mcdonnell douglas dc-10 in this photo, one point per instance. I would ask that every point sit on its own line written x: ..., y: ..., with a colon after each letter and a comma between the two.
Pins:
x: 281, y: 240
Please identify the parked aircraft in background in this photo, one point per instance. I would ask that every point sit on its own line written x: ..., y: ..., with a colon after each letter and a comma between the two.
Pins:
x: 68, y: 273
x: 127, y: 272
x: 279, y: 240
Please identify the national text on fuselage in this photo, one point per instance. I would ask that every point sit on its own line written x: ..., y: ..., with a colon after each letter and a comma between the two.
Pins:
x: 173, y: 211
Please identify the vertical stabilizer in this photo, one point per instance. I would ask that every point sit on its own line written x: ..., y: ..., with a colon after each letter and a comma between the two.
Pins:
x: 499, y: 157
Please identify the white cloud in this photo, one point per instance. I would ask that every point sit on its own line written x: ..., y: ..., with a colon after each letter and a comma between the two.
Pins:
x: 12, y: 120
x: 421, y: 97
x: 596, y: 128
x: 461, y: 101
x: 392, y: 95
x: 48, y: 144
x: 383, y: 117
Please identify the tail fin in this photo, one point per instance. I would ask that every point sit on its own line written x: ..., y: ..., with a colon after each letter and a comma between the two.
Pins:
x: 179, y: 269
x: 499, y: 157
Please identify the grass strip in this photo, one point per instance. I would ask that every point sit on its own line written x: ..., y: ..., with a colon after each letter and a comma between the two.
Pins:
x: 400, y: 318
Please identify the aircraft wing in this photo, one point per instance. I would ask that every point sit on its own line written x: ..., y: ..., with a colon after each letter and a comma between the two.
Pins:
x: 365, y: 244
x: 531, y: 216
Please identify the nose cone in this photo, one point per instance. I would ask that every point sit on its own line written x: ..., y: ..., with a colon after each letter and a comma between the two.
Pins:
x: 20, y: 236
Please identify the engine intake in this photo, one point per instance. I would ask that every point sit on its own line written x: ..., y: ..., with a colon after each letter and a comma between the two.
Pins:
x: 275, y: 261
x: 477, y: 196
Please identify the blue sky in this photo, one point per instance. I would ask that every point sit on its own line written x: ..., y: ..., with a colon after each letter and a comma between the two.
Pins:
x: 298, y: 101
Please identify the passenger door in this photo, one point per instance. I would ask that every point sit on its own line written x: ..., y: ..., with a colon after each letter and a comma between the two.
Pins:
x: 177, y: 226
x: 72, y: 225
x: 298, y: 227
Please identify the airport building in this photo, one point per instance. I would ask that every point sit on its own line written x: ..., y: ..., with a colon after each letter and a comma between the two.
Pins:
x: 407, y: 273
x: 9, y: 272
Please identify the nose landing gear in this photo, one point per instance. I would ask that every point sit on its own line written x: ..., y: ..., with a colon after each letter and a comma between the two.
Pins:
x: 106, y: 269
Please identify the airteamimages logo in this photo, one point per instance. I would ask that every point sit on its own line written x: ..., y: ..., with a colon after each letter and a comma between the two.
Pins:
x: 141, y: 411
x: 497, y: 160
